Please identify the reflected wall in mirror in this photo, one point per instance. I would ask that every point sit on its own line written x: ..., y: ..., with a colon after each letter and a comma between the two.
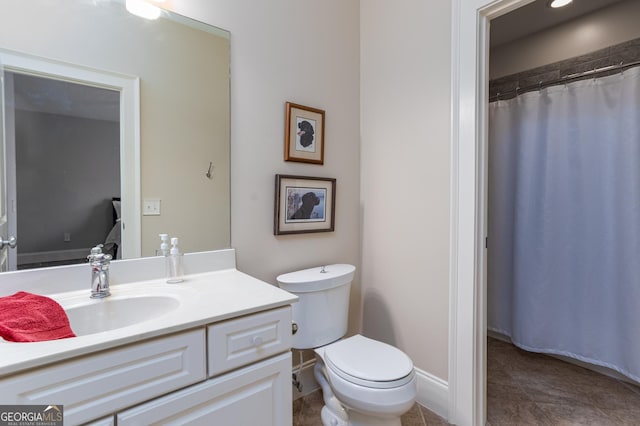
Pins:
x: 182, y: 68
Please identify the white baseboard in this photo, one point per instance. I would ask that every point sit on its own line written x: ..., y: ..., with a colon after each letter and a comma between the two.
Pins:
x: 433, y: 393
x: 306, y: 378
x: 52, y: 256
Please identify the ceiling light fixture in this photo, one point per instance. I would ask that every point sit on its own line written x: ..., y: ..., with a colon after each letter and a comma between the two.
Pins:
x: 558, y: 3
x: 143, y: 9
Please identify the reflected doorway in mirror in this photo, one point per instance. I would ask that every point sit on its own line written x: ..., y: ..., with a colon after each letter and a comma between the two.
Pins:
x: 67, y: 124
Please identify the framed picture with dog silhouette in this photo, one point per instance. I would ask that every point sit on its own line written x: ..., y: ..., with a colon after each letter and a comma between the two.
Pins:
x: 304, y: 134
x: 304, y: 204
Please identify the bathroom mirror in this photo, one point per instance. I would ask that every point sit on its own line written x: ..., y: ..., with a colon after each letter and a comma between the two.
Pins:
x: 179, y: 171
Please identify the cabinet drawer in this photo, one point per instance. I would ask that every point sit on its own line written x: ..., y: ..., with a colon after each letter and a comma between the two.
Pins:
x: 107, y: 421
x: 241, y: 341
x: 97, y: 385
x: 257, y: 395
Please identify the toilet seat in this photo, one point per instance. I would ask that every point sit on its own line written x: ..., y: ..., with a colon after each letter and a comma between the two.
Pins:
x: 369, y: 363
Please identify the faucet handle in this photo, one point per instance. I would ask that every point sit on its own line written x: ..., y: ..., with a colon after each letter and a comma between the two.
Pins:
x: 97, y: 255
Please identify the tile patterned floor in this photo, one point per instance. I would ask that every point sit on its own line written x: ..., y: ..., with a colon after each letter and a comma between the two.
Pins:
x: 525, y: 388
x: 306, y: 412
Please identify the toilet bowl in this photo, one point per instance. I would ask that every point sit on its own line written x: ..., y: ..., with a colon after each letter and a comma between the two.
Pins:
x: 363, y: 381
x: 375, y: 382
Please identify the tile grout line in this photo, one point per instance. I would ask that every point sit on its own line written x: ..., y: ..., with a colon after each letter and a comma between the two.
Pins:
x: 424, y: 422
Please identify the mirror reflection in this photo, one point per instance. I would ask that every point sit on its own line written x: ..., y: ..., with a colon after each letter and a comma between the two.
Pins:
x: 65, y: 146
x: 96, y: 159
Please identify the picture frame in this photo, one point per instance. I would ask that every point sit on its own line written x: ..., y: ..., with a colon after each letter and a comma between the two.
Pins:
x: 304, y: 204
x: 304, y: 134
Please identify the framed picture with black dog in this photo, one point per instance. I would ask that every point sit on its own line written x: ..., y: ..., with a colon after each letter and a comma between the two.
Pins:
x: 304, y: 134
x: 304, y: 204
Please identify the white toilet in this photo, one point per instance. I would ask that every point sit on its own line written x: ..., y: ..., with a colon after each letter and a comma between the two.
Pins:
x: 364, y: 382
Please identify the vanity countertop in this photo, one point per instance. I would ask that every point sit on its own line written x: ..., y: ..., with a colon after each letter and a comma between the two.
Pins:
x: 204, y: 298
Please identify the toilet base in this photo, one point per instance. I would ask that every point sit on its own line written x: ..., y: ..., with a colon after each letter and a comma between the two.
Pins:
x: 359, y: 419
x: 356, y: 419
x: 337, y: 413
x: 330, y: 419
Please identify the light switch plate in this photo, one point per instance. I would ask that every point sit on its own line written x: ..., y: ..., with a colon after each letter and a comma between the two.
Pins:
x: 150, y: 207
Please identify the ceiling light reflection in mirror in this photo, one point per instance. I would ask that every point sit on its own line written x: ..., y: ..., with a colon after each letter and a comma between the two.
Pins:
x: 143, y: 9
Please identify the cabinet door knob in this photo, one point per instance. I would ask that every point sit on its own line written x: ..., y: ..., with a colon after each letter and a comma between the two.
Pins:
x: 257, y: 340
x: 11, y: 242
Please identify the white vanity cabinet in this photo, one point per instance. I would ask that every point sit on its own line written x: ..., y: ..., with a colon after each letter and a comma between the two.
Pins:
x: 232, y: 372
x: 241, y: 341
x: 96, y: 385
x: 107, y: 421
x: 256, y: 394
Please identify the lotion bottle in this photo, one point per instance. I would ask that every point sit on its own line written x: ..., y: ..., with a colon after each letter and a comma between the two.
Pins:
x: 175, y: 263
x: 164, y: 245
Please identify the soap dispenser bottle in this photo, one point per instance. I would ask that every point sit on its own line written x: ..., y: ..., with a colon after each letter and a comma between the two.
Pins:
x: 175, y: 263
x: 164, y: 245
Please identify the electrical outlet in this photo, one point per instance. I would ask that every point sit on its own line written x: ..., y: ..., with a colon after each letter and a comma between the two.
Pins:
x: 151, y: 207
x: 67, y: 237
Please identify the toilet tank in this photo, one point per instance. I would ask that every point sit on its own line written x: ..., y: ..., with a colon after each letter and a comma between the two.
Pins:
x: 322, y: 310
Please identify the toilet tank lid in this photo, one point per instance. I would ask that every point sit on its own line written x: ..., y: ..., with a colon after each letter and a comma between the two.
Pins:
x: 314, y: 279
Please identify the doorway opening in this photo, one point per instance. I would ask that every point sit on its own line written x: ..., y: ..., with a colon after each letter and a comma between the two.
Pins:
x: 84, y: 180
x: 530, y: 147
x: 63, y: 154
x: 467, y: 377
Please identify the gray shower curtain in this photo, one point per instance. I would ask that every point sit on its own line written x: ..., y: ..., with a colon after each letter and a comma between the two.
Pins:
x: 564, y: 221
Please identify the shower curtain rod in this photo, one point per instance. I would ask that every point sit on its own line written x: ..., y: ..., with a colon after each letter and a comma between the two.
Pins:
x: 564, y: 79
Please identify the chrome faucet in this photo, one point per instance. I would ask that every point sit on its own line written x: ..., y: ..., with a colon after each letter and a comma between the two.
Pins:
x: 99, y: 263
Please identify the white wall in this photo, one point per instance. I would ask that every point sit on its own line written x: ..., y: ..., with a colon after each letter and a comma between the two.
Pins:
x: 304, y: 52
x: 398, y: 78
x: 56, y: 167
x: 597, y: 30
x: 308, y: 52
x: 405, y: 131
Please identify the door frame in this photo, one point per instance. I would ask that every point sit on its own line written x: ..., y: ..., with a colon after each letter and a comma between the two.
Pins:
x: 10, y: 165
x: 469, y: 124
x: 129, y: 88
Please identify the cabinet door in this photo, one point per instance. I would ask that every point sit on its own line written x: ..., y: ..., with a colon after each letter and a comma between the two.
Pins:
x: 107, y: 421
x: 98, y: 385
x: 257, y: 395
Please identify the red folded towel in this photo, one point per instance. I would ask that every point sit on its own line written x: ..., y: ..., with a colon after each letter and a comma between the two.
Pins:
x: 27, y: 317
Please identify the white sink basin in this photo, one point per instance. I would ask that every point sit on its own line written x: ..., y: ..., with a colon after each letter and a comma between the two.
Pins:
x: 99, y: 315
